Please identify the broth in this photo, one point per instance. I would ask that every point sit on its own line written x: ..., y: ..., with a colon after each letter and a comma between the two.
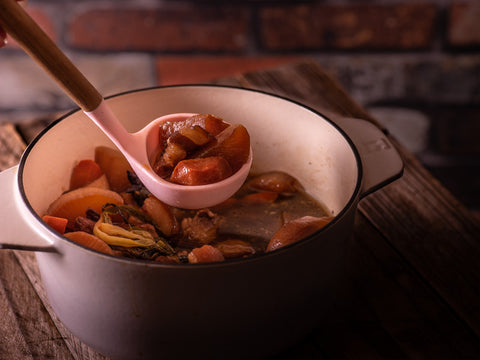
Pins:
x: 108, y: 209
x: 260, y: 221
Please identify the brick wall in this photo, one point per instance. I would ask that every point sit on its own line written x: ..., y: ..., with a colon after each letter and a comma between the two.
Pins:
x: 414, y: 65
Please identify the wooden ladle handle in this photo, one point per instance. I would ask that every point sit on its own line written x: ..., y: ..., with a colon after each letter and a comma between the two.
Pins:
x: 20, y: 26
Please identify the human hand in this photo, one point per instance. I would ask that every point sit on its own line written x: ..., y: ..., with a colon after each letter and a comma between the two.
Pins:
x: 3, y: 34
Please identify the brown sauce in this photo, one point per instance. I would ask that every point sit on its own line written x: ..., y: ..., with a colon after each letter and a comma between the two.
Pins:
x: 111, y: 211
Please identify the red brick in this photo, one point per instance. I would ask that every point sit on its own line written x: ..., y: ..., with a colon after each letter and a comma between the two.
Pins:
x: 397, y: 26
x: 165, y: 29
x: 464, y: 24
x: 197, y: 69
x: 42, y: 19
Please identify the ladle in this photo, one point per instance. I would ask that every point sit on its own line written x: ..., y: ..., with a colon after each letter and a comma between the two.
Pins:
x: 136, y: 147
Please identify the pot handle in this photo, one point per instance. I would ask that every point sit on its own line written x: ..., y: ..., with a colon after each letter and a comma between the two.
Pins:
x: 381, y: 162
x: 16, y: 221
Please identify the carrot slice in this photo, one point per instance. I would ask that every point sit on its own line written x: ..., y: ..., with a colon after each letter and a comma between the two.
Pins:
x: 90, y: 241
x: 76, y: 202
x: 84, y: 173
x: 56, y: 223
x: 204, y: 254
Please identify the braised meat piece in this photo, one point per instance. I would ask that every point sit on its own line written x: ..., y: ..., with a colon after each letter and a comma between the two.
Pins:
x: 200, y: 229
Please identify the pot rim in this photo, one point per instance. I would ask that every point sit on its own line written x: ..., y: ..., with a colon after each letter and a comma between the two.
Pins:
x: 228, y: 262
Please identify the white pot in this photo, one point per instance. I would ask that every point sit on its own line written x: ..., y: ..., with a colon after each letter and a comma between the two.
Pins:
x: 241, y: 308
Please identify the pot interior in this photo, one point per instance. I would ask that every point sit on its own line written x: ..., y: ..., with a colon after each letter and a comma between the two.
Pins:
x: 284, y: 136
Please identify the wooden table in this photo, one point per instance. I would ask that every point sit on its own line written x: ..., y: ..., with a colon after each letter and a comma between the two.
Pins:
x: 413, y: 287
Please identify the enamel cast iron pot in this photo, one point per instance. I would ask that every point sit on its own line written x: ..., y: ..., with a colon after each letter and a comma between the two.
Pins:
x: 248, y: 308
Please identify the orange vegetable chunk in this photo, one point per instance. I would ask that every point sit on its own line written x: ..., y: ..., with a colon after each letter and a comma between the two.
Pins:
x: 56, y: 223
x: 75, y: 203
x: 90, y: 241
x: 233, y: 144
x: 162, y: 214
x: 201, y: 171
x: 115, y: 166
x: 213, y: 124
x: 276, y: 181
x: 296, y: 230
x: 204, y: 254
x: 85, y: 172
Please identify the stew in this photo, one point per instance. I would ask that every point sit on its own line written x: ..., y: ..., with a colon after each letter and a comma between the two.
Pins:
x: 201, y: 149
x: 109, y: 210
